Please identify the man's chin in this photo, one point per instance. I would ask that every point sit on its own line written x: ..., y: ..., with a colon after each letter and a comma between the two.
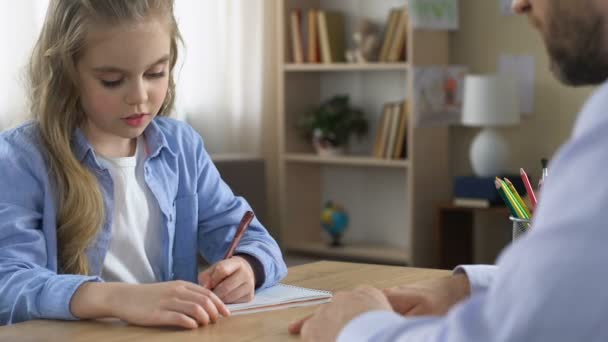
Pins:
x: 577, y: 76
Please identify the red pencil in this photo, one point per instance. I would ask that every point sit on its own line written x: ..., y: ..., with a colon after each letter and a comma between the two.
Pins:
x: 529, y: 189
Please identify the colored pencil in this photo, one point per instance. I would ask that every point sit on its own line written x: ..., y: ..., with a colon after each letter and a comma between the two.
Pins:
x: 529, y: 189
x: 517, y: 197
x: 504, y: 198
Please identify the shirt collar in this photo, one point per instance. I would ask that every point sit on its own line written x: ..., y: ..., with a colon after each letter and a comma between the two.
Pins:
x: 155, y: 142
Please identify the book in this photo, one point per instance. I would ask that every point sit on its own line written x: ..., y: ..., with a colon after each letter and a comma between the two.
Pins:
x: 394, y: 127
x: 383, y: 131
x: 331, y: 36
x: 377, y: 139
x: 313, y: 37
x: 472, y: 202
x: 402, y: 132
x: 483, y: 188
x: 281, y: 296
x: 399, y: 38
x: 296, y: 36
x: 389, y: 32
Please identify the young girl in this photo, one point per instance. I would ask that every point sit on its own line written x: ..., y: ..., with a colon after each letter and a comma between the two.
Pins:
x: 104, y: 202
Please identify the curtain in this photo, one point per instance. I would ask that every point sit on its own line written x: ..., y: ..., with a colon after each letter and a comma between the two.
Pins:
x: 223, y: 70
x: 20, y: 24
x: 222, y: 75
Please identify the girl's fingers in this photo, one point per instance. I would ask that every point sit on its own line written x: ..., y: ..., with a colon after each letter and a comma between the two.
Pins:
x: 241, y: 294
x: 205, y: 302
x: 228, y: 285
x: 219, y: 305
x: 173, y: 318
x: 190, y: 309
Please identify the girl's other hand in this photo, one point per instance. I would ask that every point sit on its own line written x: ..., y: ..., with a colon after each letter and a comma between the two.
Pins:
x: 175, y: 303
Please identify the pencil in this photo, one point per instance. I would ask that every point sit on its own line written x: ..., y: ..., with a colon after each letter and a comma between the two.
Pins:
x: 504, y: 198
x: 517, y: 197
x: 245, y: 221
x: 529, y: 189
x: 520, y: 212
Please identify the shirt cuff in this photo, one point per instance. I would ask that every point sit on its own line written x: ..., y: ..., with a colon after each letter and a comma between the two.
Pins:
x: 57, y: 295
x: 274, y: 269
x: 256, y: 266
x: 368, y: 325
x: 480, y: 276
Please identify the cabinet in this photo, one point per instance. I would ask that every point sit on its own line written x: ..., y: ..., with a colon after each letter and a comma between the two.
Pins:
x: 390, y: 202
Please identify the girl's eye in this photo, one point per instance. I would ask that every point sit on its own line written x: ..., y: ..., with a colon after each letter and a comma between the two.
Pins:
x: 111, y: 84
x: 157, y: 74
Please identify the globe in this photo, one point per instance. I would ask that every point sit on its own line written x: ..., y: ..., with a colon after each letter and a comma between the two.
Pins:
x: 334, y: 221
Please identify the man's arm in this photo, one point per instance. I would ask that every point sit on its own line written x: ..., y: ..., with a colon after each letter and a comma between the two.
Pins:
x: 550, y: 285
x: 480, y: 277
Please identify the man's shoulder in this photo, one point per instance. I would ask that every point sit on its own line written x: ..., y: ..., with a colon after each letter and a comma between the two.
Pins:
x: 594, y: 112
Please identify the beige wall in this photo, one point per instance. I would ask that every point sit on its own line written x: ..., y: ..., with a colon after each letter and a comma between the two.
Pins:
x: 483, y: 36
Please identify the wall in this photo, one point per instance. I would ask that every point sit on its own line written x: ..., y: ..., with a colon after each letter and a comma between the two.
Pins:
x: 483, y: 36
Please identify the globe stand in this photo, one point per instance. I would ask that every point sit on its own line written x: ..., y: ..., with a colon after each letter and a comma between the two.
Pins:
x: 335, y: 240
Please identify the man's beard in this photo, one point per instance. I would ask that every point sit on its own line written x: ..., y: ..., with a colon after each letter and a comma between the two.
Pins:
x: 576, y: 46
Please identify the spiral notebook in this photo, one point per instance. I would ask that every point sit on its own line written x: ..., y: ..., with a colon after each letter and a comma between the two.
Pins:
x: 281, y: 296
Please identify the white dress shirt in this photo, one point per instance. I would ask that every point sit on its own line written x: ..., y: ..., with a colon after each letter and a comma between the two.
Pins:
x: 551, y: 284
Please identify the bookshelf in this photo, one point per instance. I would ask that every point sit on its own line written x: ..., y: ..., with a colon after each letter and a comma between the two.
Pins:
x: 390, y: 202
x: 345, y: 67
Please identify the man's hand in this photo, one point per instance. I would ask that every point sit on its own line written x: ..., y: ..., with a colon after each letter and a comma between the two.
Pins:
x: 232, y: 280
x: 330, y: 319
x: 429, y: 298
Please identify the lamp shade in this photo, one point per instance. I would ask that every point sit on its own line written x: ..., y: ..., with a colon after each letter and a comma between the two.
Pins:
x: 490, y: 100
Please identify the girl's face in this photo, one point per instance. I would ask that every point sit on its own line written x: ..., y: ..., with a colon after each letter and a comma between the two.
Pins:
x: 124, y: 76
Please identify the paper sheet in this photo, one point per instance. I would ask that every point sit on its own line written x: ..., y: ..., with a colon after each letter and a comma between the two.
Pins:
x: 522, y: 69
x: 281, y: 296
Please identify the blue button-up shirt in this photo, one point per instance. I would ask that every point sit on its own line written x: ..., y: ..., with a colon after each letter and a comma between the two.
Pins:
x: 551, y: 284
x: 199, y: 214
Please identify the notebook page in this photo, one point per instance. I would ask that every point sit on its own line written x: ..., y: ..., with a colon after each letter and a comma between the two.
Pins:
x: 276, y: 296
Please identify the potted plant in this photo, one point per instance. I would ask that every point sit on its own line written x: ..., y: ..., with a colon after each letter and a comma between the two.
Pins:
x: 331, y: 124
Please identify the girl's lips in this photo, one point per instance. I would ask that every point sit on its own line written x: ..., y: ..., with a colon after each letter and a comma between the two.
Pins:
x: 135, y: 120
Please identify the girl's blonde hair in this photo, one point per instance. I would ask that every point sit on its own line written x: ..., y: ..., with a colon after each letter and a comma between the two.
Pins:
x: 55, y: 104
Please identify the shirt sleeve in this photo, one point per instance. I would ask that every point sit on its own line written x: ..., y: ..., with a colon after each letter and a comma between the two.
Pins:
x: 220, y: 212
x: 549, y: 285
x: 28, y: 289
x: 480, y: 276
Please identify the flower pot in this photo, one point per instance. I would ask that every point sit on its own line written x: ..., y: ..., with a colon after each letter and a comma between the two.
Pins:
x: 330, y: 151
x: 325, y: 149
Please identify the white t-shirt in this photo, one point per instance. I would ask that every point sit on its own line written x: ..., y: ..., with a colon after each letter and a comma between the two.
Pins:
x: 134, y: 255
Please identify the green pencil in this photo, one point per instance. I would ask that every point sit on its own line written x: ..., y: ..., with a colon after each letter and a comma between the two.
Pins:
x: 504, y: 198
x: 516, y: 204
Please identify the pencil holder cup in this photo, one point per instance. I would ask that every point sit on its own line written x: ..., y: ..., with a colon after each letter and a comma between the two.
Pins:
x: 520, y: 226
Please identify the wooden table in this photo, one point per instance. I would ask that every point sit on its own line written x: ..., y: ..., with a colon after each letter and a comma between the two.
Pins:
x: 267, y: 326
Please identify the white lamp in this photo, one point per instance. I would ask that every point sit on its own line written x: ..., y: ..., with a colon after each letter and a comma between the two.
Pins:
x: 489, y: 101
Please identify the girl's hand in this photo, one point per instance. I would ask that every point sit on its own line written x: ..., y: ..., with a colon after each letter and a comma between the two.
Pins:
x: 232, y: 280
x: 175, y: 303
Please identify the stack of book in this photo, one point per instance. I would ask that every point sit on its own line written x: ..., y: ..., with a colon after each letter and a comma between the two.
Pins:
x: 318, y: 36
x: 323, y: 32
x: 391, y: 133
x: 480, y: 192
x: 394, y: 43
